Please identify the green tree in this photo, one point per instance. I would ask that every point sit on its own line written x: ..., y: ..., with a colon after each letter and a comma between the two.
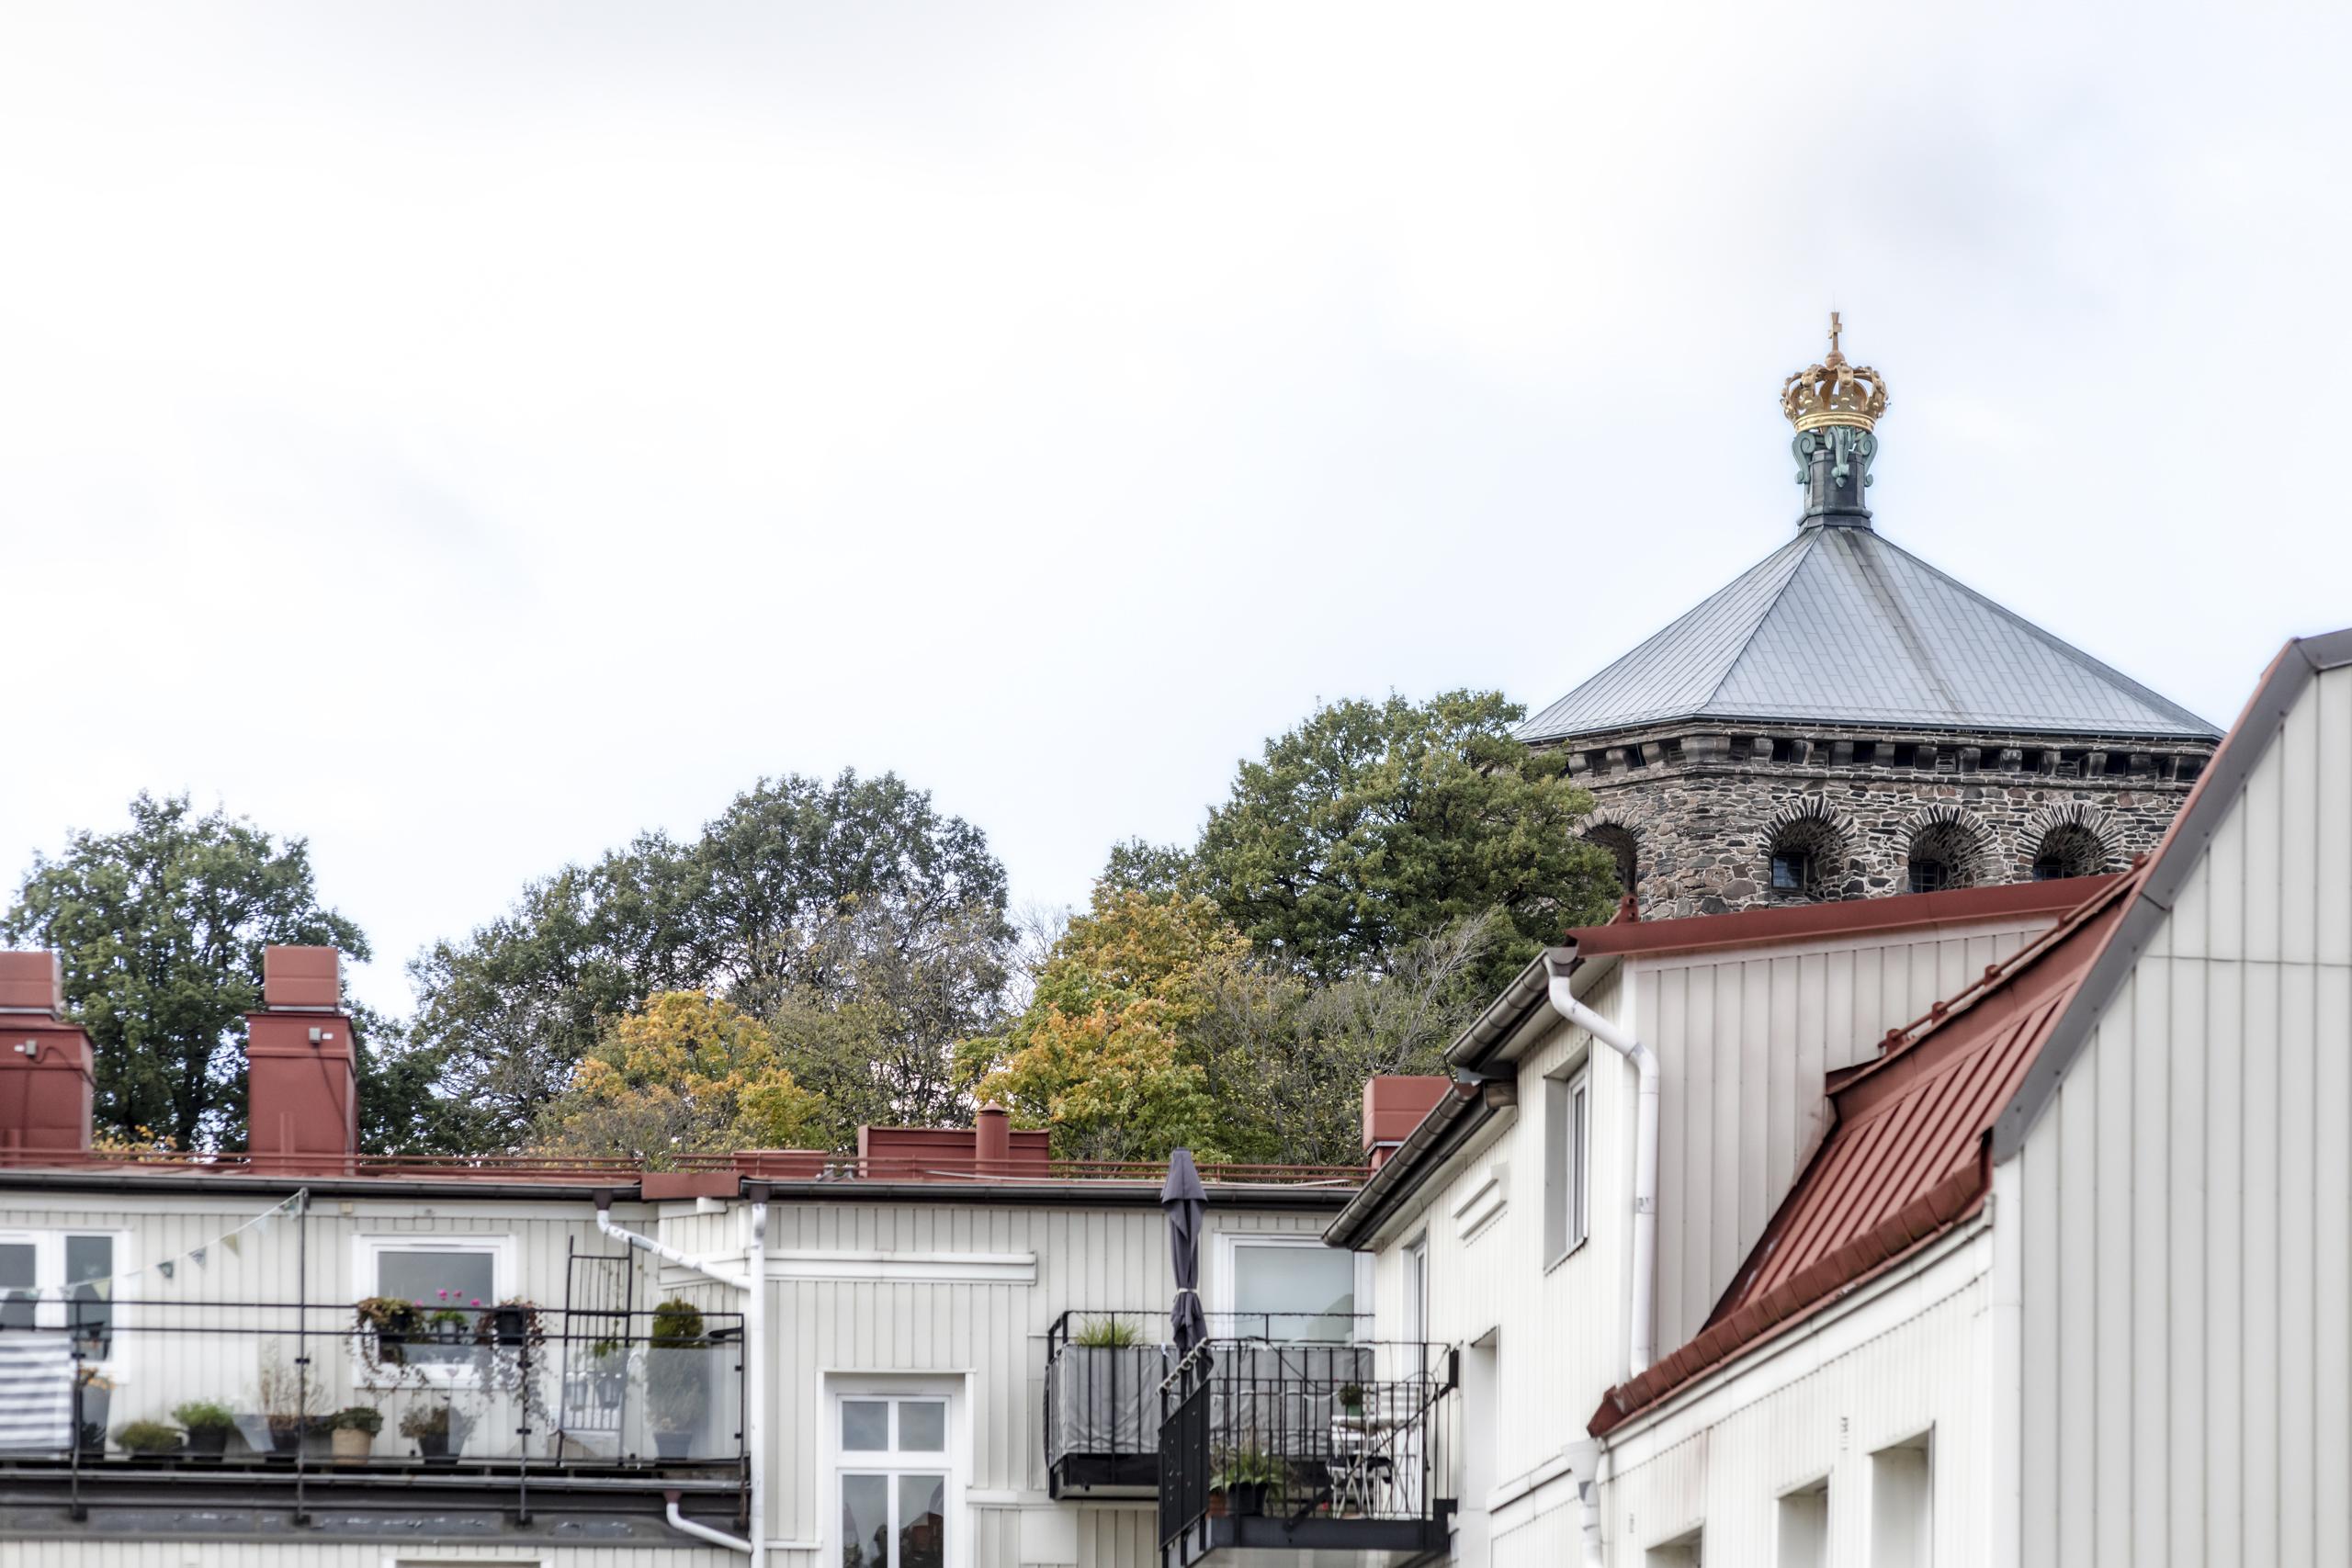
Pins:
x: 1375, y: 824
x: 160, y: 928
x: 689, y: 1074
x: 801, y: 896
x: 1105, y: 1053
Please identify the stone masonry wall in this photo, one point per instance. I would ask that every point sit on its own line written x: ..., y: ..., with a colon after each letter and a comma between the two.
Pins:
x: 1702, y: 833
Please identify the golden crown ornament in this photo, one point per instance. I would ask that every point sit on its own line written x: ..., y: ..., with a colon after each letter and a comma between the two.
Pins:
x: 1834, y: 406
x: 1834, y: 392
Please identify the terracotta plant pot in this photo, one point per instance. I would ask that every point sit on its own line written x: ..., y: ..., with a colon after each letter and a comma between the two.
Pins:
x: 352, y: 1445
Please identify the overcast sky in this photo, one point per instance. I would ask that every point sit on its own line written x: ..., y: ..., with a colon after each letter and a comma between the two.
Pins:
x: 468, y: 435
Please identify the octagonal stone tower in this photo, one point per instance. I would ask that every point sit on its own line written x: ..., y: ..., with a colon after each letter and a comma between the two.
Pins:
x: 1842, y: 720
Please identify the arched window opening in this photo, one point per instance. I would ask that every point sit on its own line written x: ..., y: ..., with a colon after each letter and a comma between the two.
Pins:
x: 1623, y: 848
x: 1803, y: 855
x: 2069, y: 849
x: 1943, y: 856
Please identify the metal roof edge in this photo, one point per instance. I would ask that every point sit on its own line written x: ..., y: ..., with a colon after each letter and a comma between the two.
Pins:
x: 2183, y: 845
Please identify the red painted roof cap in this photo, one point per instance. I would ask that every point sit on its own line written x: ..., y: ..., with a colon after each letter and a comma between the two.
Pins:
x: 32, y: 982
x: 301, y: 977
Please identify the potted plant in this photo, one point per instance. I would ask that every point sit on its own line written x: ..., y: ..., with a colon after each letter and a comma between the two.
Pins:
x: 385, y: 1323
x: 98, y: 1399
x: 150, y: 1439
x: 1352, y: 1399
x: 209, y: 1424
x: 289, y: 1408
x: 356, y: 1426
x: 1105, y: 1388
x: 677, y: 1377
x: 511, y: 1324
x: 438, y: 1430
x: 1245, y: 1475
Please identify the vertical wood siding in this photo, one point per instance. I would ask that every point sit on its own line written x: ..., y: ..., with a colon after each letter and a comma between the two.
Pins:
x: 1744, y: 1047
x: 1910, y: 1368
x: 2187, y: 1259
x: 991, y: 1334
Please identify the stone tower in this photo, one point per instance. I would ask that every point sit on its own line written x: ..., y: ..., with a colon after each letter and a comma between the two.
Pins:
x: 1843, y: 720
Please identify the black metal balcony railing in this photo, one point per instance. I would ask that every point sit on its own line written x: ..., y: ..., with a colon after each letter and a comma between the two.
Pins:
x: 1331, y: 1446
x: 280, y: 1395
x: 1103, y: 1372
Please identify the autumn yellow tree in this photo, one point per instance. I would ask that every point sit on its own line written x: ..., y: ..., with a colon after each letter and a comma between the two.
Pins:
x: 1103, y: 1054
x: 686, y: 1074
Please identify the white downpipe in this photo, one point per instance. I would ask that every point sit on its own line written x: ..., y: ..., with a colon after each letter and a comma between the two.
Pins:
x: 1643, y: 1307
x: 685, y: 1525
x: 753, y: 1283
x: 1595, y: 1555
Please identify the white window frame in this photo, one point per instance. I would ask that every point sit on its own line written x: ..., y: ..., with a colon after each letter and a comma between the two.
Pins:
x: 1568, y: 1162
x: 48, y: 1274
x: 842, y: 1386
x: 364, y: 1249
x: 1221, y: 1283
x: 1414, y: 1257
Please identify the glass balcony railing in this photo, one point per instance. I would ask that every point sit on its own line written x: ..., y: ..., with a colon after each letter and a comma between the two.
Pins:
x: 512, y: 1395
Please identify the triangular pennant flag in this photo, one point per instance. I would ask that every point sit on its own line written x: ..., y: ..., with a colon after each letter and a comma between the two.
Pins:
x: 164, y: 1270
x: 199, y: 1255
x: 236, y: 1246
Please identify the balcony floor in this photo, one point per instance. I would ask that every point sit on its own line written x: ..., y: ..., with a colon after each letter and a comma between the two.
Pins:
x: 1266, y: 1541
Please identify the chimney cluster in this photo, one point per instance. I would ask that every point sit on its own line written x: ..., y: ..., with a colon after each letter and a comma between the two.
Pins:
x: 302, y: 1110
x: 44, y: 1064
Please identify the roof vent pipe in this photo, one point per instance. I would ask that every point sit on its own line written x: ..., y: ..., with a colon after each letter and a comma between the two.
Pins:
x: 1643, y: 1306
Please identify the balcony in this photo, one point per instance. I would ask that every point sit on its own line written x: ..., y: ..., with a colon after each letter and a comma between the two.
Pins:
x: 283, y: 1410
x: 1103, y: 1372
x: 1269, y: 1449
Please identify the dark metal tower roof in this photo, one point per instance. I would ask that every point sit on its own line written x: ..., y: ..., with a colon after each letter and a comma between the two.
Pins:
x: 1841, y: 626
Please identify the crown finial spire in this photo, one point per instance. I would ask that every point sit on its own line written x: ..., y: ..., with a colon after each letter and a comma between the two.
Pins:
x: 1834, y: 406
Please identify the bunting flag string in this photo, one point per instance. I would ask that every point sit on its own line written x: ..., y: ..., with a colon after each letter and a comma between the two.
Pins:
x: 168, y: 1269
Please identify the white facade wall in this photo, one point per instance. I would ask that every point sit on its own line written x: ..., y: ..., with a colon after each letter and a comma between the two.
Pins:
x: 1902, y: 1364
x: 962, y: 1293
x: 2185, y: 1265
x: 1745, y: 1040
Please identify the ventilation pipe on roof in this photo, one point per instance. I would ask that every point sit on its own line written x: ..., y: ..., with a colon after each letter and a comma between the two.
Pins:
x: 1643, y: 1307
x: 753, y: 1282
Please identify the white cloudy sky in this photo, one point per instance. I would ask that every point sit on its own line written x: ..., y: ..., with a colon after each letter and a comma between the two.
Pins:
x: 467, y: 435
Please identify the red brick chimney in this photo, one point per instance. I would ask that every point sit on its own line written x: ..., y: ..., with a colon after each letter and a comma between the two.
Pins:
x: 992, y: 1140
x: 1393, y: 1106
x: 44, y: 1065
x: 302, y: 1098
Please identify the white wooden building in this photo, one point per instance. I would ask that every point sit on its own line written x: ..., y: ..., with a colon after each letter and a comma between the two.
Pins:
x: 2058, y: 1272
x: 920, y: 1300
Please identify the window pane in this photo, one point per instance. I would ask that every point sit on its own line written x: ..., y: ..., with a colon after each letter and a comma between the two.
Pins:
x: 440, y: 1281
x: 1295, y: 1293
x: 89, y: 1271
x: 865, y: 1425
x: 923, y: 1521
x: 923, y: 1426
x: 17, y: 1285
x: 866, y: 1521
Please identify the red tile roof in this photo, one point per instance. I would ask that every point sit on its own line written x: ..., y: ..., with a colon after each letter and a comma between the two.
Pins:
x: 1906, y: 1156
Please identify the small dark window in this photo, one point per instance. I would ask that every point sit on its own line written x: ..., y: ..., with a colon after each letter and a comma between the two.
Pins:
x: 1930, y: 873
x: 1674, y: 751
x: 2029, y: 761
x: 1784, y: 750
x: 1791, y: 871
x: 1624, y: 849
x: 1906, y: 755
x: 2190, y: 767
x: 2069, y: 849
x: 2118, y: 763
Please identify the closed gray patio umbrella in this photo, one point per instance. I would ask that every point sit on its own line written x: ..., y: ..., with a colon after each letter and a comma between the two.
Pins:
x: 1184, y: 1200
